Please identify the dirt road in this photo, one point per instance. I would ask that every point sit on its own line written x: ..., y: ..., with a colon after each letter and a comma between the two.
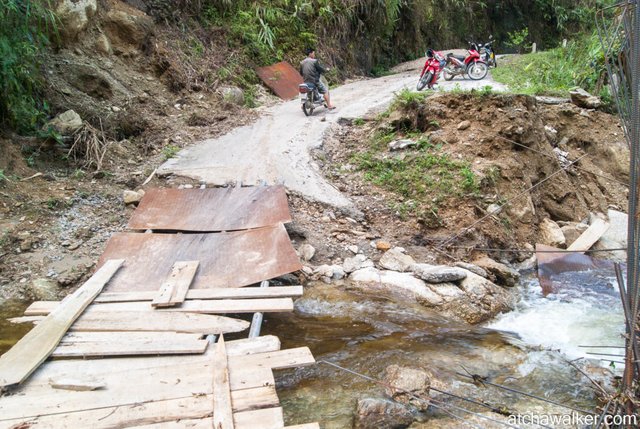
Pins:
x: 276, y: 148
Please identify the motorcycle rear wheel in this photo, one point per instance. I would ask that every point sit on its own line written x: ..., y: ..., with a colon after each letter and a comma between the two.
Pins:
x: 307, y: 108
x: 424, y: 80
x: 477, y: 71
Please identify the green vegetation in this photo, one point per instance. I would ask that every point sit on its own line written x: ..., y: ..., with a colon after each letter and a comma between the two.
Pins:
x: 3, y: 177
x: 422, y: 178
x: 169, y: 151
x: 25, y: 26
x: 557, y: 71
x: 358, y: 122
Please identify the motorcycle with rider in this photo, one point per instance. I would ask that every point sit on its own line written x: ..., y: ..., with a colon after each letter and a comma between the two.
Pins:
x: 314, y: 90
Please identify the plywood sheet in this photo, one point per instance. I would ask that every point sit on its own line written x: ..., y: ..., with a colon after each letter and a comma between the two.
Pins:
x: 212, y: 209
x: 228, y: 259
x: 282, y: 78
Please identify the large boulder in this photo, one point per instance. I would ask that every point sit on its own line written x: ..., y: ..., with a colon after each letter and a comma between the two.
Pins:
x: 473, y: 268
x: 483, y: 301
x: 582, y: 98
x: 306, y: 252
x: 395, y: 260
x: 405, y: 384
x: 74, y: 16
x: 395, y: 285
x: 551, y: 234
x: 127, y: 28
x: 504, y: 275
x: 377, y: 413
x: 438, y: 273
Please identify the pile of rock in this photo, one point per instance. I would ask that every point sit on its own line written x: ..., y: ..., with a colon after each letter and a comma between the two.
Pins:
x: 470, y: 292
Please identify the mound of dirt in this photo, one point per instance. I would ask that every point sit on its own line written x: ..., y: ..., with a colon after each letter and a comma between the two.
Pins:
x: 519, y: 151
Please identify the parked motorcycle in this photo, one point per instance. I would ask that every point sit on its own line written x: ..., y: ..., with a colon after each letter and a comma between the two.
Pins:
x: 431, y: 70
x: 472, y: 65
x: 311, y: 97
x: 487, y: 53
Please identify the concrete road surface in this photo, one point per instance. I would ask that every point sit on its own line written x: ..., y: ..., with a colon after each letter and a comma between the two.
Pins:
x: 276, y: 148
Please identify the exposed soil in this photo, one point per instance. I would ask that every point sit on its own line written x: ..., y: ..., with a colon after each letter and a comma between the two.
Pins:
x: 506, y: 135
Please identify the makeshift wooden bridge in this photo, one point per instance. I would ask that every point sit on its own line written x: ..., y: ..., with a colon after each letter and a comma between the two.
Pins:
x: 148, y: 318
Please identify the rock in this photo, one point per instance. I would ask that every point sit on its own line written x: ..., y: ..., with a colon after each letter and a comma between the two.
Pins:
x: 324, y: 273
x: 66, y: 123
x: 131, y: 197
x: 448, y: 291
x: 127, y: 28
x: 582, y: 98
x: 494, y: 209
x: 463, y: 125
x: 551, y: 234
x: 102, y: 44
x: 473, y: 268
x: 233, y: 94
x: 401, y: 144
x: 395, y: 260
x: 44, y: 289
x: 357, y: 262
x: 74, y: 16
x: 395, y: 285
x: 551, y: 133
x: 410, y: 380
x: 373, y: 413
x: 338, y: 272
x: 353, y: 249
x: 383, y: 245
x: 505, y: 275
x: 615, y: 237
x: 438, y: 273
x: 483, y: 301
x: 522, y: 209
x: 572, y: 231
x: 306, y: 252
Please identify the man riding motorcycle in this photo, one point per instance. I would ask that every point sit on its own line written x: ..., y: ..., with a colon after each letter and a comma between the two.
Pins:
x: 311, y: 70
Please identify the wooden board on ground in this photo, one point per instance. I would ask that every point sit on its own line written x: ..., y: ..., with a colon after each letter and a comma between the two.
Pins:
x: 590, y: 236
x: 222, y: 306
x: 162, y: 321
x: 174, y: 289
x: 206, y: 294
x: 268, y: 418
x: 34, y: 348
x: 221, y: 404
x: 100, y: 344
x: 228, y: 259
x: 211, y: 209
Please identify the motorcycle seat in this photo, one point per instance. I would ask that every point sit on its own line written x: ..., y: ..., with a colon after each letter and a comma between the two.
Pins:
x: 458, y: 57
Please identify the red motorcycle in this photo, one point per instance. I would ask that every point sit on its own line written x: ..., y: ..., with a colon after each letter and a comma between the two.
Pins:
x: 431, y: 70
x: 472, y: 65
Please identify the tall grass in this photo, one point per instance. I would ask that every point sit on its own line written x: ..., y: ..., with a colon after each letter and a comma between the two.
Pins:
x: 25, y: 26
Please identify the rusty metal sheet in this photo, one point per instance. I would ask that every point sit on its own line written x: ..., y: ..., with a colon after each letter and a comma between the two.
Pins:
x: 214, y: 209
x: 227, y: 259
x: 554, y: 265
x: 282, y: 78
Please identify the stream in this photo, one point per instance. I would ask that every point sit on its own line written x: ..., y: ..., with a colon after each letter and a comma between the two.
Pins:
x: 526, y: 349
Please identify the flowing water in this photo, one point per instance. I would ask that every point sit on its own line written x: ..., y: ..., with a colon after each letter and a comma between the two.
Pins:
x: 526, y: 349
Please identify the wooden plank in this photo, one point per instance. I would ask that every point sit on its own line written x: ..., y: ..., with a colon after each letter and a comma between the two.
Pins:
x: 206, y: 294
x: 163, y: 321
x: 34, y: 348
x: 130, y: 348
x: 174, y: 289
x: 268, y: 418
x: 222, y: 411
x: 193, y: 407
x: 282, y: 359
x: 110, y: 337
x: 248, y: 346
x: 27, y: 319
x: 588, y: 238
x: 223, y: 306
x: 304, y: 426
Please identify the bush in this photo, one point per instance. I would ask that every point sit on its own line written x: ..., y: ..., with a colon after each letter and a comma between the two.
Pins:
x: 24, y: 29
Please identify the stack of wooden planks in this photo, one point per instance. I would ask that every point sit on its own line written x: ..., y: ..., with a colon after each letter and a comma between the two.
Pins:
x: 148, y: 323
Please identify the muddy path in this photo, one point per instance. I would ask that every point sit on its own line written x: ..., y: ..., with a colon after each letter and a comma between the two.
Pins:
x: 276, y: 148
